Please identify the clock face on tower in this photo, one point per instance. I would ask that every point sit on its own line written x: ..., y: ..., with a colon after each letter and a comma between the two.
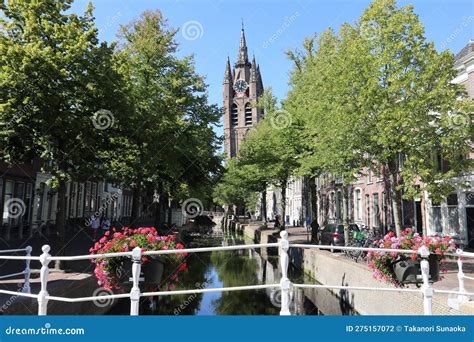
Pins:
x: 240, y: 86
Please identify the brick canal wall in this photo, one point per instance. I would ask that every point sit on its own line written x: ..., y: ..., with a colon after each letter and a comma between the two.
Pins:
x: 334, y: 269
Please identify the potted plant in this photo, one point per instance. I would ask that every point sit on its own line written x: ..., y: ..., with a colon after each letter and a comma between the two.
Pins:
x: 400, y: 269
x: 114, y: 272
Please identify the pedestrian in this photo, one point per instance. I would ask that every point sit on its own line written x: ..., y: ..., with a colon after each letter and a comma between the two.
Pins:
x: 277, y: 221
x: 314, y: 231
x: 95, y: 226
x: 106, y: 224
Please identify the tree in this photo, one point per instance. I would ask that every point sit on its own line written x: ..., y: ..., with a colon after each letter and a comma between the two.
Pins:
x: 53, y: 65
x: 411, y: 96
x: 168, y: 143
x: 377, y: 94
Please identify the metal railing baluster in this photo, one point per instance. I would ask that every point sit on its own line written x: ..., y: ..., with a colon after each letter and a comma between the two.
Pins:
x: 135, y: 292
x: 426, y: 289
x: 26, y: 286
x: 43, y: 294
x: 285, y: 284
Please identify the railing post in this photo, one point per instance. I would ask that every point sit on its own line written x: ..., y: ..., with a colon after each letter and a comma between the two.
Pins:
x: 461, y: 297
x: 135, y: 292
x: 285, y: 284
x: 42, y: 296
x: 26, y: 286
x: 426, y: 289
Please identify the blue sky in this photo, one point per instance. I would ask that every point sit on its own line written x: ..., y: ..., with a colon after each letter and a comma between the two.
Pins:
x: 271, y: 28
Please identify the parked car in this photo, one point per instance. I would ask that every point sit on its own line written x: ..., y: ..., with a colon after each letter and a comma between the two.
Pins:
x: 333, y: 234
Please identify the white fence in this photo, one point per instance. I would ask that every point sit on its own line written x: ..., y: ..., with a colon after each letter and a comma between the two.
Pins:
x: 285, y: 284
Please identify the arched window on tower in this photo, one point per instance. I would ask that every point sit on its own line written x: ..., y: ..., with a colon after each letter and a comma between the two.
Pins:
x: 248, y: 115
x: 234, y: 116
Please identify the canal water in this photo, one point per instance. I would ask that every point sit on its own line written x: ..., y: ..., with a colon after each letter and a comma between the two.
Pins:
x: 236, y: 268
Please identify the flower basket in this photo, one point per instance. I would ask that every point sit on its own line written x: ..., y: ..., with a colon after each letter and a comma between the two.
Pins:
x: 401, y: 269
x: 151, y: 272
x: 160, y: 270
x: 408, y: 271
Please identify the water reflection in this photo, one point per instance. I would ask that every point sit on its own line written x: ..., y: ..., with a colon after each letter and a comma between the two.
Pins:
x: 235, y: 268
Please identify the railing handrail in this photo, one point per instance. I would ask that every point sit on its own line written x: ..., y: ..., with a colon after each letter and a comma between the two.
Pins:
x: 43, y: 297
x: 26, y: 289
x: 14, y: 250
x: 225, y: 248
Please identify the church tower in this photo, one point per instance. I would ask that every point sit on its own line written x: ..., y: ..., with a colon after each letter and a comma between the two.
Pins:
x: 241, y: 89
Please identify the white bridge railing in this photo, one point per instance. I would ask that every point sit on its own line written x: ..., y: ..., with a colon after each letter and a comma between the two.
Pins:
x: 285, y: 284
x: 26, y: 272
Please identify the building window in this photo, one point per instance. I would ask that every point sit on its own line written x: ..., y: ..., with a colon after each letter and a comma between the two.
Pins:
x: 80, y: 200
x: 369, y: 176
x: 248, y: 115
x: 437, y: 221
x: 72, y: 207
x: 376, y: 209
x: 94, y: 197
x: 358, y: 204
x: 339, y: 205
x: 87, y: 205
x: 384, y: 209
x: 8, y: 195
x: 41, y: 194
x: 453, y: 215
x: 367, y: 211
x: 234, y: 116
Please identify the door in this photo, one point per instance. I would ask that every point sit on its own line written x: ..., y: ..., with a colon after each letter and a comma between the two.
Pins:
x: 418, y: 217
x: 470, y: 226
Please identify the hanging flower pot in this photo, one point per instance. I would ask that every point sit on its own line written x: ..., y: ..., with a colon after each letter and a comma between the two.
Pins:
x: 151, y: 272
x: 401, y: 269
x: 408, y: 271
x: 114, y: 272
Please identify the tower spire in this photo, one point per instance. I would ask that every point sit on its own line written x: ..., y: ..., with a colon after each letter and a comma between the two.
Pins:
x: 242, y: 56
x: 228, y: 72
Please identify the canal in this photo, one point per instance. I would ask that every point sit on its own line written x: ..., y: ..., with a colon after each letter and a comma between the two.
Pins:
x: 236, y: 268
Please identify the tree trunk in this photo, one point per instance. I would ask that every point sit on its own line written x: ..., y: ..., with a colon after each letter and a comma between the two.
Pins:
x: 61, y: 223
x: 170, y: 211
x: 313, y: 198
x: 157, y: 219
x: 283, y: 204
x: 264, y: 205
x: 395, y: 196
x: 135, y: 203
x: 345, y: 216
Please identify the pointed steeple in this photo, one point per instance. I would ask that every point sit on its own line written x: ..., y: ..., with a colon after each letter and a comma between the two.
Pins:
x: 242, y: 56
x: 253, y: 70
x: 259, y: 79
x: 228, y: 72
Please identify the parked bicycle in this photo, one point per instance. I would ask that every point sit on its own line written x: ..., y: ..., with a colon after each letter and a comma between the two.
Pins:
x: 365, y: 238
